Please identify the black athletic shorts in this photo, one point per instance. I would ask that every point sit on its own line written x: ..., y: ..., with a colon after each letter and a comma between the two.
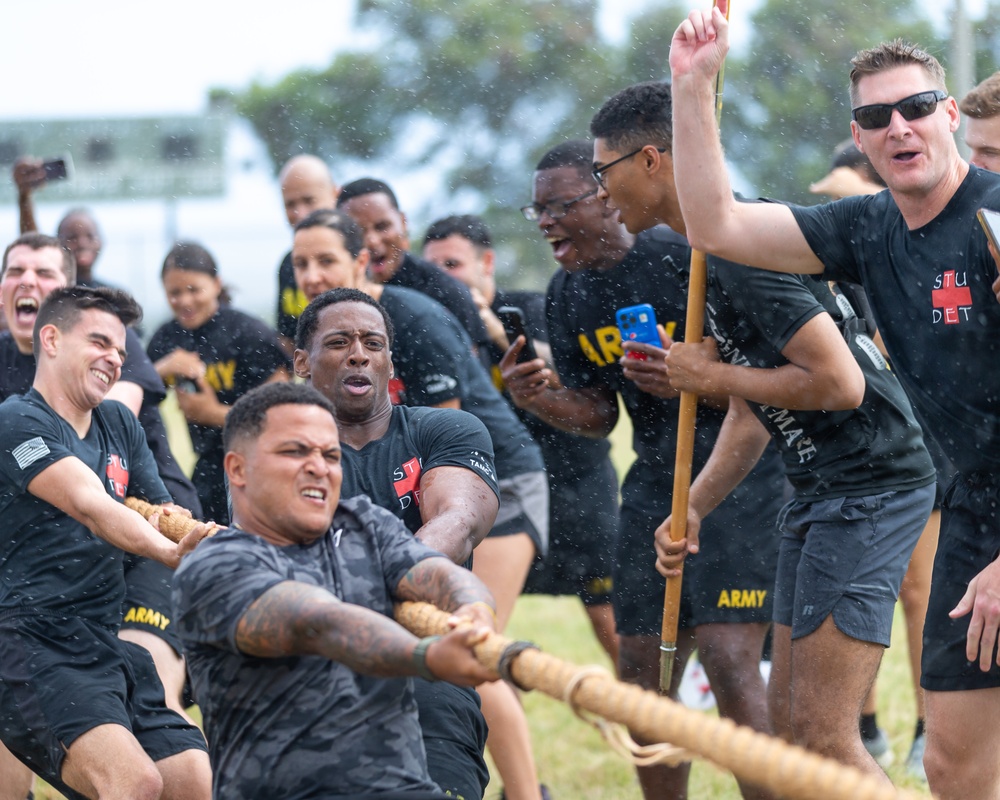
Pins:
x: 62, y: 677
x: 731, y: 579
x: 148, y: 606
x: 846, y: 556
x: 969, y: 541
x: 583, y: 529
x: 454, y: 737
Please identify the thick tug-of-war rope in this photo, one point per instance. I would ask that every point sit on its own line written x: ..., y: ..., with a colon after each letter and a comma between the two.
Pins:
x: 755, y: 757
x: 173, y: 526
x: 783, y: 768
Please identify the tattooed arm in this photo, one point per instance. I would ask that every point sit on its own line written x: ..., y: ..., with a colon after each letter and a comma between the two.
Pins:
x: 293, y: 618
x: 450, y: 588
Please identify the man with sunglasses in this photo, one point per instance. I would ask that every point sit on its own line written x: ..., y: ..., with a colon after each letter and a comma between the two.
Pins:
x: 726, y: 604
x: 931, y: 281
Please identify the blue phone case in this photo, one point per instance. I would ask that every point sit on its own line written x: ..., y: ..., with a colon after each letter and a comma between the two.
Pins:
x: 638, y: 324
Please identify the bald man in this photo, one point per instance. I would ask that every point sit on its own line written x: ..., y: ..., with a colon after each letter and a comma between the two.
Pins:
x: 306, y: 185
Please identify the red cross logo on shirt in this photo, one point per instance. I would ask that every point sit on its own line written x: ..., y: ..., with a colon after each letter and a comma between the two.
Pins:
x: 117, y: 473
x: 410, y: 482
x: 950, y: 297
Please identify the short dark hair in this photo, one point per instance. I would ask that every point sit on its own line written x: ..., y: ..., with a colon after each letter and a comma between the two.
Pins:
x: 245, y: 419
x: 468, y: 226
x: 63, y: 308
x: 983, y: 101
x: 193, y: 257
x: 576, y: 153
x: 78, y: 211
x: 344, y: 224
x: 847, y: 154
x: 190, y: 257
x: 39, y: 241
x: 309, y: 319
x: 363, y: 186
x: 636, y: 116
x: 889, y: 55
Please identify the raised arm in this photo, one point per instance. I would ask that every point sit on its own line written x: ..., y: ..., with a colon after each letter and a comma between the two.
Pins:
x: 457, y: 509
x: 758, y: 234
x: 821, y: 373
x: 28, y: 176
x: 73, y: 488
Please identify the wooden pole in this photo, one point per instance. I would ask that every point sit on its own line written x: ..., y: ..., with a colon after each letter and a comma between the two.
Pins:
x: 694, y: 329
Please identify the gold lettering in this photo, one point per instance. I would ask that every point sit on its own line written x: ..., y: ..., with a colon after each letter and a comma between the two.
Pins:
x: 130, y: 616
x: 609, y: 339
x: 590, y: 352
x: 221, y: 374
x: 724, y: 599
x: 670, y: 327
x: 293, y: 301
x: 497, y: 377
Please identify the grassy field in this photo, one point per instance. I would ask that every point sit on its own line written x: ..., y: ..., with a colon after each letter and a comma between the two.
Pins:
x: 573, y: 760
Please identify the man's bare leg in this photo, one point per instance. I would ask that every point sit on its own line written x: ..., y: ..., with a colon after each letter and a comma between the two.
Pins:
x: 187, y: 774
x: 602, y: 620
x: 639, y: 663
x: 502, y: 563
x: 15, y: 778
x: 963, y: 741
x: 731, y: 655
x: 107, y: 763
x: 831, y: 675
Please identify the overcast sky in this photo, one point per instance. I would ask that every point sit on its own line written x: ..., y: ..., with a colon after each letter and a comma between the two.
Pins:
x: 65, y: 59
x: 110, y: 57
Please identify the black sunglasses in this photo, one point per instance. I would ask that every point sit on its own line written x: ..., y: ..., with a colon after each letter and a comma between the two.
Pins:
x: 879, y: 115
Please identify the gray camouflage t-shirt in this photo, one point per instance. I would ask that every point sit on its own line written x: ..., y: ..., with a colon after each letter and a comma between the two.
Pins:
x: 301, y: 727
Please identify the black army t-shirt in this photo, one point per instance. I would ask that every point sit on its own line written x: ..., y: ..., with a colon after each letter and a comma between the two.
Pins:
x: 239, y: 351
x: 753, y: 314
x: 565, y: 454
x: 422, y: 276
x: 433, y: 362
x: 930, y: 292
x: 389, y: 469
x: 49, y: 562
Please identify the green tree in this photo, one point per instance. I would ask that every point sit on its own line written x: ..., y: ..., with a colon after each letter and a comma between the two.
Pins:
x: 788, y: 95
x: 469, y: 93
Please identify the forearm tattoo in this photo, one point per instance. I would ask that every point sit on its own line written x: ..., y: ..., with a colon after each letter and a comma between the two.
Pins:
x: 438, y: 581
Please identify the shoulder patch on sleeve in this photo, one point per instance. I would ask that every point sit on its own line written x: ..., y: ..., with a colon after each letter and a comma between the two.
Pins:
x: 28, y: 453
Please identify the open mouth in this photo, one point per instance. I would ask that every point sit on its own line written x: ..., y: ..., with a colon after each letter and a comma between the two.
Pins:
x: 560, y: 246
x: 315, y: 494
x: 26, y: 309
x: 905, y: 157
x: 102, y: 376
x: 357, y: 384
